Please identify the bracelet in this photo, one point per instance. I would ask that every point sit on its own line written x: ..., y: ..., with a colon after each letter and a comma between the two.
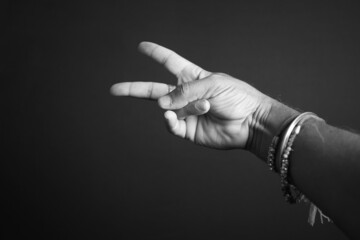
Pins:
x: 290, y: 192
x: 271, y: 153
x: 273, y: 148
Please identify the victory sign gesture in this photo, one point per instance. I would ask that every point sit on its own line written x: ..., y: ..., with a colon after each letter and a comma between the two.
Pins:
x: 210, y: 109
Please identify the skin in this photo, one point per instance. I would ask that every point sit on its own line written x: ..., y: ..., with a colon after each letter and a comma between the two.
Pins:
x: 218, y: 111
x: 189, y: 114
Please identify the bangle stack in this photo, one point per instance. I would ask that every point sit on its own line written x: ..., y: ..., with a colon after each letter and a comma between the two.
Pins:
x: 279, y: 154
x: 290, y: 193
x: 279, y: 160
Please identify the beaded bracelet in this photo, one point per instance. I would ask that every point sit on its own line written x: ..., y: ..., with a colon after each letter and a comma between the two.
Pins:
x: 291, y: 193
x: 271, y: 153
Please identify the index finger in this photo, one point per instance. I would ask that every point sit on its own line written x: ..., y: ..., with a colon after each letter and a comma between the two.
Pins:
x: 146, y: 90
x: 170, y: 59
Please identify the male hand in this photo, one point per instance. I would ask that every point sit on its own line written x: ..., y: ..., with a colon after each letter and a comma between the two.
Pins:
x: 210, y: 109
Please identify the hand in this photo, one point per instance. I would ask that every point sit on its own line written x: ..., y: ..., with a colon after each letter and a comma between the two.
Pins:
x: 210, y: 109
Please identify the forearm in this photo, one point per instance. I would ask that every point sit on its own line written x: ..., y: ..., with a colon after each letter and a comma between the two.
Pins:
x: 325, y: 163
x: 325, y: 166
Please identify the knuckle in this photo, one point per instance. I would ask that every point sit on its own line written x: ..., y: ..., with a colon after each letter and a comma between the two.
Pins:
x: 150, y: 90
x: 219, y: 78
x: 166, y: 60
x: 219, y: 75
x: 214, y: 79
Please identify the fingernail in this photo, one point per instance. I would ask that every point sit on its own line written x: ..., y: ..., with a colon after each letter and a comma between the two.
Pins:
x: 164, y: 101
x: 167, y: 114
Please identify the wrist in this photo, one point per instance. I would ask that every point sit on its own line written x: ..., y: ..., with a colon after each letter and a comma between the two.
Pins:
x: 268, y: 121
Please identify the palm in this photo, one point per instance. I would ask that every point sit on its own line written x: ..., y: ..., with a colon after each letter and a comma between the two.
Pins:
x: 232, y: 101
x: 226, y: 124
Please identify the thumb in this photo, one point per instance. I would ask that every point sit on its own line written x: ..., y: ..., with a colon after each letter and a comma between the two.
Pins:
x: 198, y: 107
x: 186, y: 93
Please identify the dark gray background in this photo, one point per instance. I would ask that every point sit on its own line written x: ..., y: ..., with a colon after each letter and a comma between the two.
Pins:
x: 80, y: 163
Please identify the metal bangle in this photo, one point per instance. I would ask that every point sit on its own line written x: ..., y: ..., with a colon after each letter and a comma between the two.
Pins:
x: 290, y: 192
